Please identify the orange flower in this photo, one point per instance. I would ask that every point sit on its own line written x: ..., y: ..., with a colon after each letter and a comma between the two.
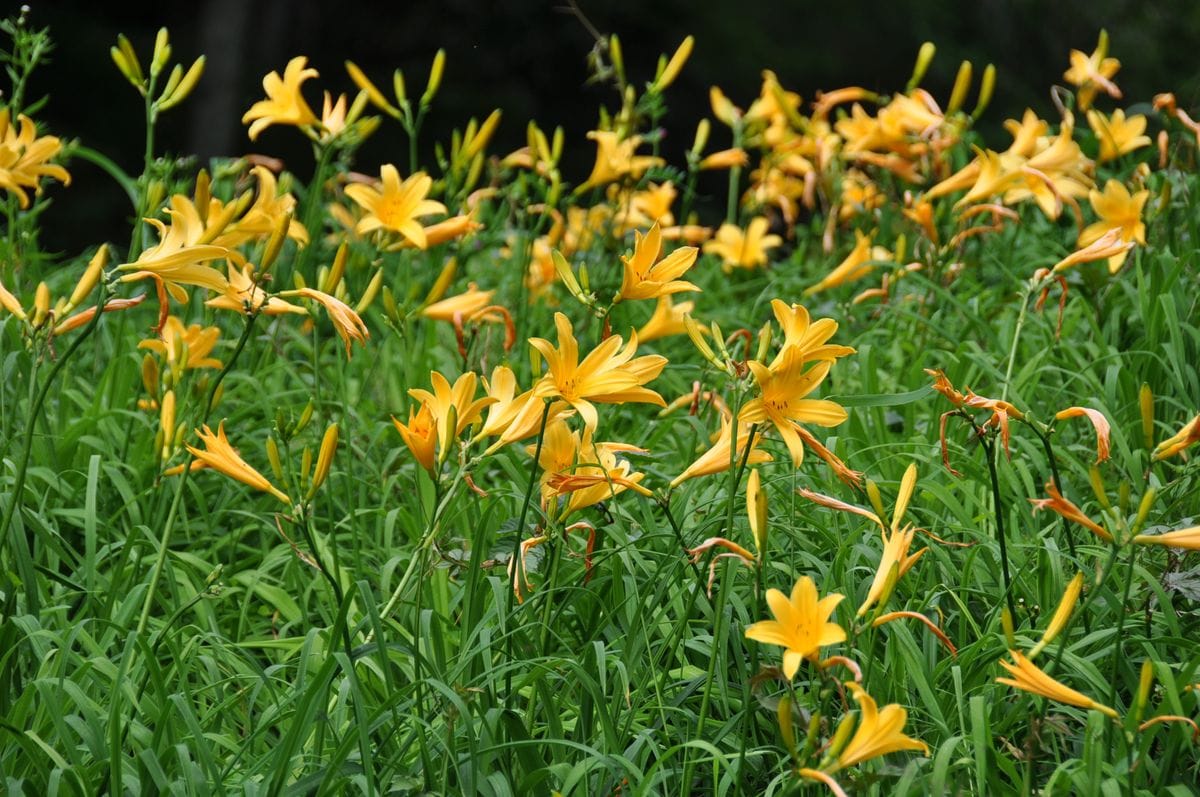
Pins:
x: 420, y: 434
x: 646, y: 279
x: 1098, y: 421
x: 219, y: 455
x: 1028, y: 677
x: 1058, y: 504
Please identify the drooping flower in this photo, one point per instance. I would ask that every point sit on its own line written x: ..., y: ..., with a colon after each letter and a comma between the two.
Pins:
x: 219, y: 455
x: 801, y: 625
x: 396, y: 206
x: 608, y: 374
x: 743, y: 249
x: 284, y: 105
x: 646, y: 279
x: 1099, y: 423
x: 347, y: 323
x: 1028, y: 677
x: 1062, y: 506
x: 1107, y: 247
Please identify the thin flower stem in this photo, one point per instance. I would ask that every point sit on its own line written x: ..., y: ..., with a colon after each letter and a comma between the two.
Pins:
x: 998, y: 512
x: 518, y: 563
x: 1049, y: 449
x: 1115, y: 665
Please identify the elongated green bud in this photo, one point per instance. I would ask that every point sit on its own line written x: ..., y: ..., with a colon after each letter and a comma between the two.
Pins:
x: 962, y: 84
x: 435, y: 77
x: 185, y: 87
x: 924, y: 58
x: 162, y: 52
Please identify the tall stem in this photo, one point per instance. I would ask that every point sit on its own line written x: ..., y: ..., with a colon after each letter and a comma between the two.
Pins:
x: 998, y: 511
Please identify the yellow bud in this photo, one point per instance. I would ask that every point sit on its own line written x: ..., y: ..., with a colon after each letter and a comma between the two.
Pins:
x: 435, y: 77
x: 583, y: 278
x: 129, y: 60
x: 840, y: 737
x: 1102, y: 45
x: 305, y: 417
x: 442, y: 283
x: 185, y: 87
x: 228, y: 213
x: 1097, y: 482
x: 701, y: 139
x: 1006, y: 622
x: 696, y: 334
x: 924, y: 58
x: 305, y: 466
x: 273, y: 458
x: 167, y: 424
x: 1123, y: 497
x: 1146, y: 403
x: 324, y: 458
x: 203, y: 194
x: 155, y: 192
x: 618, y: 58
x: 390, y: 309
x: 875, y: 498
x: 567, y: 275
x: 336, y: 271
x: 556, y: 144
x: 150, y: 375
x: 962, y: 84
x: 162, y: 52
x: 398, y: 87
x: 41, y: 304
x: 122, y: 63
x: 1144, y: 508
x: 172, y: 81
x: 667, y: 75
x: 218, y: 394
x: 764, y: 342
x: 1143, y: 692
x: 91, y: 276
x: 1061, y: 614
x: 986, y: 87
x: 756, y: 509
x: 787, y: 731
x: 723, y: 109
x: 276, y: 241
x: 373, y: 93
x: 357, y: 107
x: 481, y: 139
x: 370, y: 293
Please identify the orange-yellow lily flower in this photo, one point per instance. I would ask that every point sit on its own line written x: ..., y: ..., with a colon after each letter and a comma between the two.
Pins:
x: 284, y: 105
x: 646, y: 279
x: 219, y: 455
x: 801, y: 625
x: 396, y: 206
x: 1028, y: 677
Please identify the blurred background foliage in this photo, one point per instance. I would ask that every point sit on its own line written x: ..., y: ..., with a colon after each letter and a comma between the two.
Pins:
x: 529, y: 58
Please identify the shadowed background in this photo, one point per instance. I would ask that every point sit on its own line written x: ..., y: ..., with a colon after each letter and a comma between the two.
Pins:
x: 528, y: 57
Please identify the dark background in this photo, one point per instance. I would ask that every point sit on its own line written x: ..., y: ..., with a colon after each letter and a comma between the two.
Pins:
x: 528, y: 58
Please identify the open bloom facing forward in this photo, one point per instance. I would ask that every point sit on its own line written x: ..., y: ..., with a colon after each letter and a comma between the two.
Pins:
x: 1119, y: 209
x: 1029, y: 677
x: 608, y: 374
x: 807, y: 337
x: 396, y: 205
x: 801, y: 625
x: 219, y: 455
x: 1117, y: 135
x: 646, y: 279
x: 782, y: 401
x: 284, y: 105
x: 615, y: 158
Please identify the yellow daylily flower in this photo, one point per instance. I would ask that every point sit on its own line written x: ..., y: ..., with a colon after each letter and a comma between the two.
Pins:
x: 781, y: 400
x: 804, y: 336
x: 242, y: 292
x: 1107, y: 247
x: 185, y: 348
x: 615, y: 159
x: 347, y: 323
x: 879, y: 732
x: 718, y: 458
x: 667, y: 319
x: 177, y: 259
x: 396, y: 206
x: 1117, y: 135
x: 24, y: 157
x: 743, y: 249
x: 263, y: 217
x: 420, y: 434
x: 284, y: 105
x: 646, y: 279
x: 1028, y: 677
x: 801, y: 625
x: 1117, y: 208
x: 514, y: 416
x: 1092, y: 73
x: 608, y: 374
x: 219, y: 455
x: 1187, y: 539
x: 859, y: 263
x: 584, y: 471
x: 454, y: 407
